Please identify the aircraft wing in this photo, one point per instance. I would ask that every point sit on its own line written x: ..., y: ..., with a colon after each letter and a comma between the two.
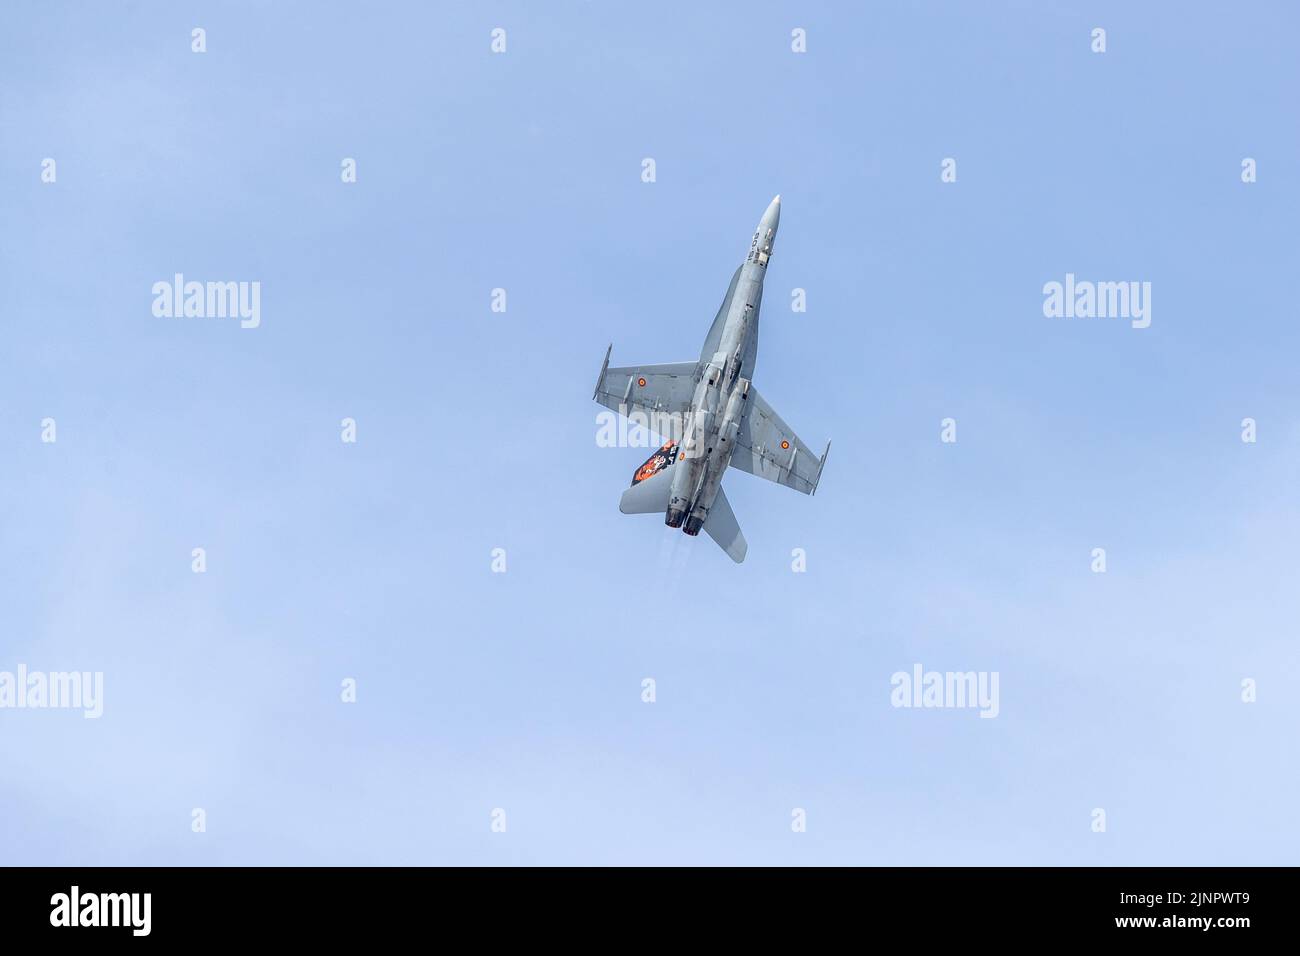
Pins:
x: 662, y: 389
x: 768, y: 447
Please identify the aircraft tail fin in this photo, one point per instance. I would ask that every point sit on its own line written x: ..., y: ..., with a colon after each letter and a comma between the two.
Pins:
x: 652, y: 483
x: 652, y: 487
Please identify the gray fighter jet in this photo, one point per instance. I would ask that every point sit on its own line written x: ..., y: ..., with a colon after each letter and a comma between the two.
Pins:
x: 711, y: 415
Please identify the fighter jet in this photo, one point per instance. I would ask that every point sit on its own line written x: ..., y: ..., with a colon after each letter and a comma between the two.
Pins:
x: 712, y: 416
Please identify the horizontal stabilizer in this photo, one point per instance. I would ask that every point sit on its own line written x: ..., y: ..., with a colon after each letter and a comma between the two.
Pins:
x: 648, y: 496
x: 723, y: 528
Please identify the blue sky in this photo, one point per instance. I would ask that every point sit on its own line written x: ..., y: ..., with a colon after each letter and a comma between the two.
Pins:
x: 476, y: 431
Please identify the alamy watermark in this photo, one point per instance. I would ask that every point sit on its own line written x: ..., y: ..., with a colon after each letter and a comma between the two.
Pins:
x: 1082, y: 299
x: 208, y: 300
x: 946, y: 690
x: 60, y: 690
x: 75, y: 908
x: 634, y: 428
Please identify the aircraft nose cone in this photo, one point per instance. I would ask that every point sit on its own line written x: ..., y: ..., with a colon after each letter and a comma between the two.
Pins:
x: 772, y: 218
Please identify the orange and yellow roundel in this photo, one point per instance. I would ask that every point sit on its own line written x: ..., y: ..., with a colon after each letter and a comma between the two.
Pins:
x: 641, y: 382
x: 784, y: 443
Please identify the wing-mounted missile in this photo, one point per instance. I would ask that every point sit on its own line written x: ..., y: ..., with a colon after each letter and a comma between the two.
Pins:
x: 820, y: 465
x: 600, y: 382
